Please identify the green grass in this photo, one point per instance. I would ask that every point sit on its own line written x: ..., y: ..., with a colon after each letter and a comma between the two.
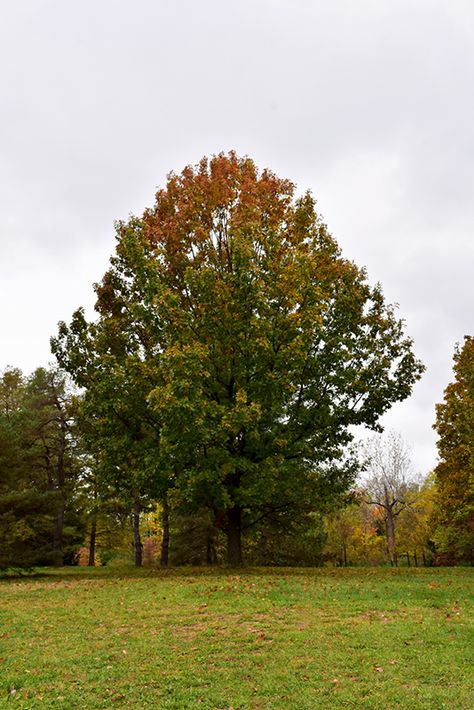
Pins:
x: 285, y: 638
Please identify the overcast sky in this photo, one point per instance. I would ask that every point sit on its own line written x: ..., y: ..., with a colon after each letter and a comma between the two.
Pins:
x: 370, y: 104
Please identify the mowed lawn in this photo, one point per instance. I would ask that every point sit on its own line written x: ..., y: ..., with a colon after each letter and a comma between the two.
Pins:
x: 258, y: 638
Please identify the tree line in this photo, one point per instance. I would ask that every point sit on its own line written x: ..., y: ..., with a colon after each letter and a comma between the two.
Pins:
x: 233, y: 353
x: 59, y: 504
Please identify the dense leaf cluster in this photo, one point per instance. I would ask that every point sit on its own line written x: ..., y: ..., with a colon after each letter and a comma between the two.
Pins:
x: 455, y: 471
x: 39, y: 470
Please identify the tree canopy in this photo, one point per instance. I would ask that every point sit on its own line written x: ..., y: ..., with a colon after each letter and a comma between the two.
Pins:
x: 39, y: 469
x: 455, y: 470
x: 234, y: 348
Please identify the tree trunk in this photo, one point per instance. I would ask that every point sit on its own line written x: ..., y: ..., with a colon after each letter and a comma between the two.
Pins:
x: 390, y: 525
x: 165, y: 541
x: 415, y: 558
x: 91, y: 560
x: 60, y: 482
x: 263, y: 549
x: 211, y: 555
x: 234, y: 536
x: 58, y: 536
x: 136, y: 535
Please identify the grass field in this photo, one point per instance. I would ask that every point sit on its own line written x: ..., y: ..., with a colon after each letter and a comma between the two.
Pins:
x: 259, y: 638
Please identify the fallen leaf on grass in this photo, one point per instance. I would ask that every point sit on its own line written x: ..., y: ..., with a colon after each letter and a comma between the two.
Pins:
x: 379, y: 669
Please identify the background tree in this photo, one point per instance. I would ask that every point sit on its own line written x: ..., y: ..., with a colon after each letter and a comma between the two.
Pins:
x: 194, y: 537
x: 112, y: 360
x: 52, y: 438
x: 341, y: 527
x: 254, y: 346
x: 390, y: 485
x: 39, y: 518
x: 454, y: 507
x: 290, y: 537
x: 24, y: 511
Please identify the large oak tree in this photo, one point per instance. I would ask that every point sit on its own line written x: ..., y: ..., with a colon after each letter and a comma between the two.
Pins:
x: 235, y: 347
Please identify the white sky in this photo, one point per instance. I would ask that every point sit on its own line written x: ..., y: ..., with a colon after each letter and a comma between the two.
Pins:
x: 370, y: 104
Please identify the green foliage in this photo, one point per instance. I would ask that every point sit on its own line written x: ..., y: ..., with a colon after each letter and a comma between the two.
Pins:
x: 234, y: 347
x: 39, y: 521
x: 113, y: 533
x: 287, y: 538
x: 26, y: 520
x: 454, y: 511
x: 195, y: 540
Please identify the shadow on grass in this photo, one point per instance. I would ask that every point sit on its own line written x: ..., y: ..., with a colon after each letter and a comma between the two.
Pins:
x: 124, y: 571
